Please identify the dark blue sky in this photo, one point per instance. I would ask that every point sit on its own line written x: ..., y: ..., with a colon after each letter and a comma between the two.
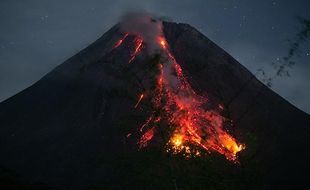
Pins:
x: 37, y: 35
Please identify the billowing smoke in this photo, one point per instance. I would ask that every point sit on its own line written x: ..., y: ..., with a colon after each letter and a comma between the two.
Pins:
x: 144, y: 25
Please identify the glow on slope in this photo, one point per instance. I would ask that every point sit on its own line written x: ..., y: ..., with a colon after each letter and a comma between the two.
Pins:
x: 195, y: 128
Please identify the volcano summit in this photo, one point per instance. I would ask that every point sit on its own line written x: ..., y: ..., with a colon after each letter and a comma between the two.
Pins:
x: 152, y: 105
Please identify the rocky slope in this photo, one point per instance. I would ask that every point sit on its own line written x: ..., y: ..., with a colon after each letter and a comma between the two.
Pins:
x: 68, y: 130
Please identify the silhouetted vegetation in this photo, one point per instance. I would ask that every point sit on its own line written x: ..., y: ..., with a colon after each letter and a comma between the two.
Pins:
x: 282, y: 66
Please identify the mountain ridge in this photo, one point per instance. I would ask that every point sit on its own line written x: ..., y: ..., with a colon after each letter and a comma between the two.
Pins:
x: 66, y: 121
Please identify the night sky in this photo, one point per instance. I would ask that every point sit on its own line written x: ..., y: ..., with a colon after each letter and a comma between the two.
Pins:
x: 38, y: 35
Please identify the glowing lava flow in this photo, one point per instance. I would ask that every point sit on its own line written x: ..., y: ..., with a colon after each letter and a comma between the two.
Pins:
x: 146, y: 137
x: 138, y: 47
x: 195, y: 127
x: 140, y: 98
x: 119, y: 42
x: 162, y: 42
x: 194, y: 123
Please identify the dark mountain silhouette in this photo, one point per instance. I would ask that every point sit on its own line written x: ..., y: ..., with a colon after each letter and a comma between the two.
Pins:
x: 68, y: 130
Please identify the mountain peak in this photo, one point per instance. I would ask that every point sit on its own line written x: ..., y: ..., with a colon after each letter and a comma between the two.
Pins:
x: 153, y: 104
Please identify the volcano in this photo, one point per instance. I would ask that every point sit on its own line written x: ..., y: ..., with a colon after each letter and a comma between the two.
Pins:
x: 139, y: 109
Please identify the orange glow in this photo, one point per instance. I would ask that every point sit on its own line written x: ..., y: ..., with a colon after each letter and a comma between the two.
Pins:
x: 138, y: 47
x: 140, y: 98
x: 195, y: 128
x: 146, y: 123
x: 146, y: 137
x: 177, y: 140
x: 196, y: 125
x: 119, y: 42
x: 161, y: 77
x: 230, y: 144
x: 157, y: 119
x: 162, y: 42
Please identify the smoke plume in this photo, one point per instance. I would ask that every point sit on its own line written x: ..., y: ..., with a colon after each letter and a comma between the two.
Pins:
x: 144, y: 25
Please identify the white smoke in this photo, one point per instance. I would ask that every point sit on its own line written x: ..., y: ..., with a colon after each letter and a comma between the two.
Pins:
x: 149, y: 27
x: 170, y: 77
x: 145, y: 25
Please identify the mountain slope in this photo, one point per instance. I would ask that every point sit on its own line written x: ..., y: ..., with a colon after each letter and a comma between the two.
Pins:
x: 69, y: 129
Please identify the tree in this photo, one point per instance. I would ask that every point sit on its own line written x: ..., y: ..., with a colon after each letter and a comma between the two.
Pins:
x: 283, y: 65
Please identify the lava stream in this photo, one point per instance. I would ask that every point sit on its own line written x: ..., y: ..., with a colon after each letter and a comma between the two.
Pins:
x: 140, y: 98
x: 138, y: 47
x: 194, y: 124
x: 119, y: 42
x: 195, y: 128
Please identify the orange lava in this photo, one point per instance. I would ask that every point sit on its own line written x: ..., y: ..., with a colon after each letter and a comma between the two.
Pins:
x: 195, y: 124
x: 195, y: 127
x: 146, y: 123
x: 146, y: 137
x: 138, y: 46
x: 162, y: 41
x: 140, y: 98
x: 119, y: 42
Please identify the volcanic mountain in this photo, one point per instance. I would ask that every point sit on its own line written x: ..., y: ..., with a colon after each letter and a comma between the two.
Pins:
x: 127, y: 113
